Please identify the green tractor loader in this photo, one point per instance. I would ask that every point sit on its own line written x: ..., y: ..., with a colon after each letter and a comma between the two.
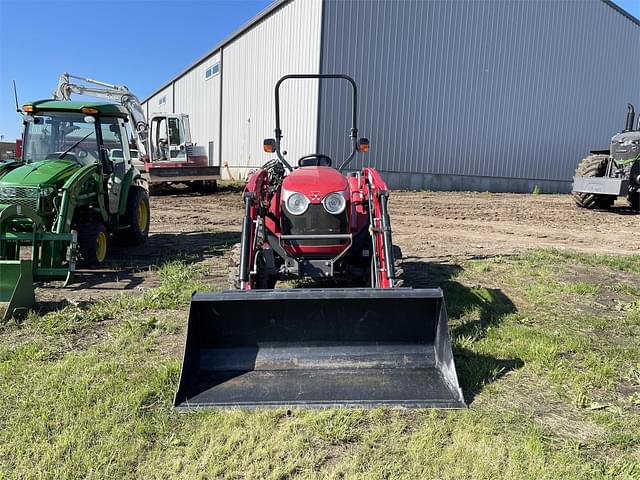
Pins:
x: 73, y: 190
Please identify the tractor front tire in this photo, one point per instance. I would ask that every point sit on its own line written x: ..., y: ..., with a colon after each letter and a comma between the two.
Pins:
x: 593, y: 166
x: 137, y: 216
x: 262, y: 280
x: 398, y: 267
x: 234, y: 267
x: 93, y: 244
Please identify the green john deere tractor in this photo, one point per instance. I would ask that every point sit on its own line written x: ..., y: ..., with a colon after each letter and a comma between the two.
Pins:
x: 73, y: 190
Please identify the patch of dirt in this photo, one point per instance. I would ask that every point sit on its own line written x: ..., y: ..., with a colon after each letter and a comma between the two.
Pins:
x: 528, y: 395
x: 598, y: 276
x: 90, y: 335
x: 447, y: 224
x: 429, y: 227
x: 171, y: 344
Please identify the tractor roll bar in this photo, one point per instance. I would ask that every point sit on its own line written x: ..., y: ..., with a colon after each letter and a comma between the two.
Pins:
x: 354, y: 114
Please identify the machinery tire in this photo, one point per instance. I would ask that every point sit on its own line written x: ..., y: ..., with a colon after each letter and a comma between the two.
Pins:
x: 155, y: 189
x: 93, y: 244
x: 234, y: 267
x: 205, y: 186
x: 593, y: 166
x: 634, y: 200
x: 397, y: 267
x: 137, y: 216
x: 210, y: 186
x: 397, y: 264
x: 263, y: 281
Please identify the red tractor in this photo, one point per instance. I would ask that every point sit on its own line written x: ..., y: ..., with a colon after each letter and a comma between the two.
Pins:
x: 256, y: 346
x: 312, y: 221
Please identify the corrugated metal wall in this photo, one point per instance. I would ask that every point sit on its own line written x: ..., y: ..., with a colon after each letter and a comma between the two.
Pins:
x: 288, y: 41
x: 486, y: 95
x: 199, y: 97
x: 155, y: 105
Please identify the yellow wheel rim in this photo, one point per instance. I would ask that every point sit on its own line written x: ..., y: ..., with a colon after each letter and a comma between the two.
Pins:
x: 143, y: 216
x: 101, y: 246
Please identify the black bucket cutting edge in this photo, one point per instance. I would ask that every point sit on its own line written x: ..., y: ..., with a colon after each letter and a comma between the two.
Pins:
x: 318, y: 348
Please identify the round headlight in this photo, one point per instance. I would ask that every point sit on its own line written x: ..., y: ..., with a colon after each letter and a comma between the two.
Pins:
x: 334, y: 203
x: 297, y: 204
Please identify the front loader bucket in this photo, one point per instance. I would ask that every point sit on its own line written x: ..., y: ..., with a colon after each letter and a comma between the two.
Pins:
x: 16, y: 287
x: 318, y: 348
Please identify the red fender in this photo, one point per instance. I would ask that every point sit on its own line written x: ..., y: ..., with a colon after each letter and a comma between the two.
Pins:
x: 255, y: 186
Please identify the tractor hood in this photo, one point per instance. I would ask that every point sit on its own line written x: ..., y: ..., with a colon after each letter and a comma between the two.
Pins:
x: 46, y: 172
x: 625, y: 146
x: 315, y: 181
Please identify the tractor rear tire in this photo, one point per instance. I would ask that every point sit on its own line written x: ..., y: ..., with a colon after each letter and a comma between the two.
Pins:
x: 634, y: 200
x: 593, y: 166
x: 137, y: 216
x: 263, y: 281
x: 93, y: 244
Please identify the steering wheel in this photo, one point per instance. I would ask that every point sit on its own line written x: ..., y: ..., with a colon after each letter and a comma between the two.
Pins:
x: 82, y: 152
x: 320, y: 160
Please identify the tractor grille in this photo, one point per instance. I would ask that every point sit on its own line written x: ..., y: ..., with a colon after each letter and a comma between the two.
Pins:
x: 26, y: 196
x: 315, y: 221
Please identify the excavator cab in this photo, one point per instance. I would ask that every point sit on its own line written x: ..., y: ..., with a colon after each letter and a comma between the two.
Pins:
x: 170, y: 137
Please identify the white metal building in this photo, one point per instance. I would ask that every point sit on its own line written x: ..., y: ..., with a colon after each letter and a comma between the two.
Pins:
x: 497, y: 95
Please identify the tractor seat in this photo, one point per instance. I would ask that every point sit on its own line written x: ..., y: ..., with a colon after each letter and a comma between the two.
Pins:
x: 315, y: 160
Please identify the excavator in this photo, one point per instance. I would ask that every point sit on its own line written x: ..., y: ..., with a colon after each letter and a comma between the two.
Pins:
x: 165, y: 152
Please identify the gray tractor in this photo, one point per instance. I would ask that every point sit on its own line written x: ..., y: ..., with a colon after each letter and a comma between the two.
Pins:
x: 606, y: 175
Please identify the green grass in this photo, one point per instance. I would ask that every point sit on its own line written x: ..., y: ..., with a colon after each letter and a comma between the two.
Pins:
x: 549, y: 364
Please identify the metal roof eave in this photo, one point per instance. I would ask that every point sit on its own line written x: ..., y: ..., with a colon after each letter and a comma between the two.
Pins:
x: 276, y: 5
x: 622, y: 11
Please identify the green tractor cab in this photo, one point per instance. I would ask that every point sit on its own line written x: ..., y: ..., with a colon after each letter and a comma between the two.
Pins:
x: 67, y: 197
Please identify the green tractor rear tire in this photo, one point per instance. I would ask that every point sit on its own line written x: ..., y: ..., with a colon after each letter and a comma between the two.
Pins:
x: 593, y: 166
x: 93, y: 243
x: 137, y: 217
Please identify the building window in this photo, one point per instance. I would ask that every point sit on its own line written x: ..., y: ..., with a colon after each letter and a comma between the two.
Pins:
x: 212, y: 71
x: 162, y: 100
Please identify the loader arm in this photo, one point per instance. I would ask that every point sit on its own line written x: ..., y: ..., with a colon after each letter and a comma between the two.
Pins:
x: 71, y: 194
x: 108, y: 91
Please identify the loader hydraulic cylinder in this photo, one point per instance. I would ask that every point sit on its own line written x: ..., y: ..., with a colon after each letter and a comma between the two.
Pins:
x: 386, y: 234
x: 245, y: 242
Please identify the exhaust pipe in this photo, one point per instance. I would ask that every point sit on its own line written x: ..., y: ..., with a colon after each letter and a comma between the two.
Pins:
x: 630, y: 117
